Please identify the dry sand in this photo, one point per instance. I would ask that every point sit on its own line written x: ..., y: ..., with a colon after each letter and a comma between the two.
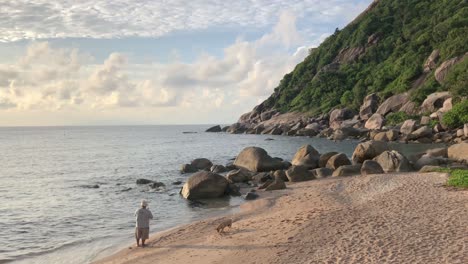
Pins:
x: 390, y: 218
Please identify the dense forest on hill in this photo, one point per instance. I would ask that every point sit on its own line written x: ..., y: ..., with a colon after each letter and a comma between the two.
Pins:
x: 384, y: 51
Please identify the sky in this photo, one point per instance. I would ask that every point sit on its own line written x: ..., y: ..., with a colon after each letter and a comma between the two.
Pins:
x: 125, y: 62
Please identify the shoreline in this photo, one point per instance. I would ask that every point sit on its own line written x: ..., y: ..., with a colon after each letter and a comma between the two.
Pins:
x: 405, y: 217
x: 265, y: 201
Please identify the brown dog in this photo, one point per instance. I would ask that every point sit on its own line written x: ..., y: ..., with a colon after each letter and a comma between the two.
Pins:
x: 225, y: 223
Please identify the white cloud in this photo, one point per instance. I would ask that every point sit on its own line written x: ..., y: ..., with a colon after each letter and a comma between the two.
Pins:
x: 39, y: 19
x: 51, y: 81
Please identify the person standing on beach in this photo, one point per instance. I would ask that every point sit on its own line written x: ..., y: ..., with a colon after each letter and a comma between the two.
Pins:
x: 143, y: 216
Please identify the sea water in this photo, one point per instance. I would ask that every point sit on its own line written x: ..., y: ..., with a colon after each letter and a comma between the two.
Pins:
x: 51, y: 212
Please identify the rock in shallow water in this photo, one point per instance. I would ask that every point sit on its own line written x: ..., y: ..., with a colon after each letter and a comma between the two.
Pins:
x: 143, y: 181
x: 188, y: 168
x: 257, y: 160
x: 251, y: 196
x: 201, y: 163
x: 204, y: 184
x: 214, y: 129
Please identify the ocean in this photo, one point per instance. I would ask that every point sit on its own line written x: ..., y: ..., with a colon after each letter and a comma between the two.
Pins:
x: 50, y: 212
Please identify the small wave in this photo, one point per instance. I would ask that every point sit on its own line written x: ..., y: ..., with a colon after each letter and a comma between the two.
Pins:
x: 60, y: 247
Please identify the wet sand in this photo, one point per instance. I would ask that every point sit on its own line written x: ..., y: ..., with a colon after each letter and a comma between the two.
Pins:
x: 388, y: 218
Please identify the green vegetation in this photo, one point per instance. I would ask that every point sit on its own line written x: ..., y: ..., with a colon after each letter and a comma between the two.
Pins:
x: 457, y: 116
x: 393, y: 119
x: 433, y: 123
x: 458, y: 178
x: 457, y: 80
x: 406, y: 33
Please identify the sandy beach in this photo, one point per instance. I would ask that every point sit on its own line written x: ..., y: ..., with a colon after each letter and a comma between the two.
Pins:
x: 388, y: 218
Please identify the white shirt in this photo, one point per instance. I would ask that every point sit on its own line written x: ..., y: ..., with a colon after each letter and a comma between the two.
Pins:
x: 143, y: 216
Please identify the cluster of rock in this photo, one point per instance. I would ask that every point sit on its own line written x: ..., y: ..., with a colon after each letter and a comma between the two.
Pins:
x: 368, y: 124
x: 253, y: 167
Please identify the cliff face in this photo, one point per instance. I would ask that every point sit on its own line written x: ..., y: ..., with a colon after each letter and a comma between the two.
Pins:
x: 393, y: 47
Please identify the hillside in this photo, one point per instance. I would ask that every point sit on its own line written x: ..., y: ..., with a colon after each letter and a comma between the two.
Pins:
x: 391, y: 48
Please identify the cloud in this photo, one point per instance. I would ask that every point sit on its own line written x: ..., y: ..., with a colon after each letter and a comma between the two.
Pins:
x: 56, y: 80
x: 47, y: 19
x: 52, y: 79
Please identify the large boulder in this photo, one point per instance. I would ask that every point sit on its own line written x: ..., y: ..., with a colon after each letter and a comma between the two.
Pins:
x: 306, y: 156
x: 368, y: 150
x: 339, y: 115
x: 313, y: 126
x: 214, y: 129
x: 424, y: 131
x: 280, y: 174
x: 201, y: 164
x: 442, y: 71
x: 430, y: 168
x: 434, y: 101
x: 447, y: 106
x: 325, y: 157
x: 381, y: 136
x: 267, y: 115
x: 345, y: 132
x: 371, y: 167
x: 338, y: 160
x: 143, y: 181
x: 261, y: 177
x: 392, y: 135
x: 427, y: 160
x: 431, y: 61
x: 376, y: 121
x: 393, y: 161
x: 277, y: 184
x: 437, y: 152
x: 188, y: 168
x: 347, y: 170
x: 257, y: 160
x: 408, y: 127
x: 306, y: 132
x: 218, y: 169
x: 458, y: 152
x: 425, y: 120
x: 204, y: 185
x: 369, y: 106
x: 410, y: 108
x: 322, y: 172
x: 240, y: 175
x: 299, y: 173
x: 236, y: 128
x: 393, y: 104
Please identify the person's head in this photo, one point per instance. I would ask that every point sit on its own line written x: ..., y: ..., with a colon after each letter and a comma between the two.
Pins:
x: 144, y: 203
